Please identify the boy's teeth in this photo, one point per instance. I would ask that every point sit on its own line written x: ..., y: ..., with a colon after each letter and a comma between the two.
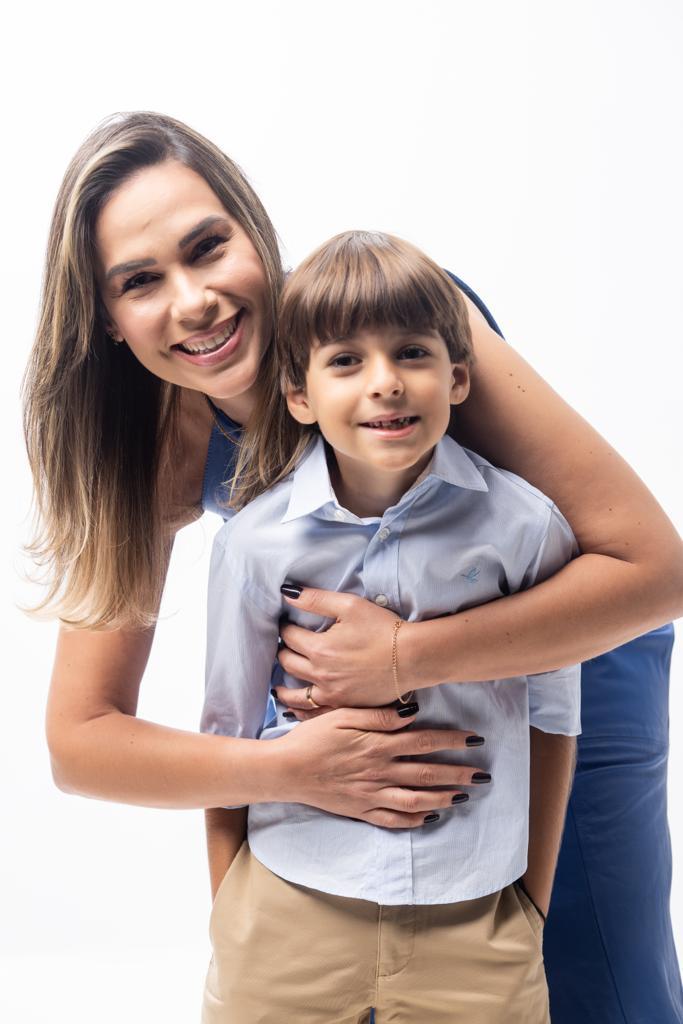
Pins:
x: 389, y: 424
x: 200, y: 347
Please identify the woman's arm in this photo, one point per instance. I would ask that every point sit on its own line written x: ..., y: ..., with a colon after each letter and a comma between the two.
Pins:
x: 349, y: 762
x: 628, y: 579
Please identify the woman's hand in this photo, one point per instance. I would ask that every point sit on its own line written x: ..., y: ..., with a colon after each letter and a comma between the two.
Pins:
x: 349, y: 762
x: 350, y: 663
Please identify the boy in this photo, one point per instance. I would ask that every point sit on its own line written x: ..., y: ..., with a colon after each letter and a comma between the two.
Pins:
x: 426, y: 925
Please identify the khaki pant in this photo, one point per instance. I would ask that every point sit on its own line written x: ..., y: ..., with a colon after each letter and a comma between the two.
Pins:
x: 285, y: 954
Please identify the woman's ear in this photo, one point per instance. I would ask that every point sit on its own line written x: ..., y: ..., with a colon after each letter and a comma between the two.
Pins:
x: 299, y: 406
x: 112, y: 331
x: 460, y: 387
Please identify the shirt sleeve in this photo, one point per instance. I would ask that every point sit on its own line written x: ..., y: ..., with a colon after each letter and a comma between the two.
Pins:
x: 242, y: 637
x: 554, y: 697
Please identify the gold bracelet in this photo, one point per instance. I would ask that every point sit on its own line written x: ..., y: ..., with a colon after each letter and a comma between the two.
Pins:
x: 394, y: 664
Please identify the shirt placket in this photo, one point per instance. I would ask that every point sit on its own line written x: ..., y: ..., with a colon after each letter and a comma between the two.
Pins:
x: 393, y: 882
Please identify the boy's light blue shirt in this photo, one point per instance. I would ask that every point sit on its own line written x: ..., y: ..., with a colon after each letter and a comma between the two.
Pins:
x: 465, y: 534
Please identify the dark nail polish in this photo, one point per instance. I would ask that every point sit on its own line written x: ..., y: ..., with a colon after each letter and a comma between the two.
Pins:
x: 273, y: 693
x: 431, y: 817
x: 289, y: 715
x: 291, y: 590
x: 460, y: 798
x: 406, y: 710
x: 474, y: 741
x: 481, y: 777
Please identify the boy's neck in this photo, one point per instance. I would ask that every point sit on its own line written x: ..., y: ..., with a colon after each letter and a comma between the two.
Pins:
x: 366, y: 490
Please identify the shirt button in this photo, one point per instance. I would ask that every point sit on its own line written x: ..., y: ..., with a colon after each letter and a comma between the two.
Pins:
x: 340, y: 515
x: 383, y: 533
x: 382, y: 600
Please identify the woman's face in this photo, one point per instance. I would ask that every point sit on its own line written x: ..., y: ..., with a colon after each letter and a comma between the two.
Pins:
x: 183, y: 285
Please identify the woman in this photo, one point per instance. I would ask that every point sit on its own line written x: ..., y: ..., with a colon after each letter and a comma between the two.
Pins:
x: 162, y: 279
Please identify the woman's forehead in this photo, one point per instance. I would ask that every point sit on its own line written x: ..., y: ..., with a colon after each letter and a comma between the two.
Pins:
x: 157, y: 206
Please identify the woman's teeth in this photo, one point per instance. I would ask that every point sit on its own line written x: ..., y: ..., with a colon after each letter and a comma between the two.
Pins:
x: 197, y: 348
x: 391, y: 424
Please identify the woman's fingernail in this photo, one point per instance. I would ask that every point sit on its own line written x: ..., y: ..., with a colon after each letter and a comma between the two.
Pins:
x: 474, y: 741
x: 273, y: 693
x: 460, y: 798
x: 406, y: 710
x: 481, y: 777
x: 291, y: 590
x: 289, y: 715
x: 431, y: 817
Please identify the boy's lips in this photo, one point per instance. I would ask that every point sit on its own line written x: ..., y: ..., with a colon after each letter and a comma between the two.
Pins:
x: 390, y: 422
x: 391, y: 426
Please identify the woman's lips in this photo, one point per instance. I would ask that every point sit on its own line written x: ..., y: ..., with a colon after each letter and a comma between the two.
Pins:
x: 217, y: 355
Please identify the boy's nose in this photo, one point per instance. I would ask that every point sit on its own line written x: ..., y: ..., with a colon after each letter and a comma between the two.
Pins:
x: 384, y: 381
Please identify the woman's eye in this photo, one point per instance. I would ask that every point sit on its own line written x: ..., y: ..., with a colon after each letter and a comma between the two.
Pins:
x: 344, y: 361
x: 137, y: 281
x: 413, y: 352
x: 207, y: 245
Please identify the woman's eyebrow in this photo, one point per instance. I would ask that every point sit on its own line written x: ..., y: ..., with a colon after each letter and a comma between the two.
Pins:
x: 197, y: 230
x: 126, y: 268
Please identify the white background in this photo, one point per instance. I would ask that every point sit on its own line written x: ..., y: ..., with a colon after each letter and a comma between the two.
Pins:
x: 531, y: 147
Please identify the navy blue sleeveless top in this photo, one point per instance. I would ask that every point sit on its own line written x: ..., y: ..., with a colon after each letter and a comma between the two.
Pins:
x: 220, y: 462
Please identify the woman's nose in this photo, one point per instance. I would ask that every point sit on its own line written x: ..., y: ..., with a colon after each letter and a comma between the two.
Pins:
x: 192, y: 302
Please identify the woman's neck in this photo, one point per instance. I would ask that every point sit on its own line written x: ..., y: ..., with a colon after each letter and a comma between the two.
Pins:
x: 238, y: 407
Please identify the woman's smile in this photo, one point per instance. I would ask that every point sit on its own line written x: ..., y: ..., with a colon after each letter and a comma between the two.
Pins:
x: 212, y: 347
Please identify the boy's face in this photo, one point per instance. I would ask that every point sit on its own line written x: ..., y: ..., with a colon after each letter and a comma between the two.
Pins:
x: 382, y: 397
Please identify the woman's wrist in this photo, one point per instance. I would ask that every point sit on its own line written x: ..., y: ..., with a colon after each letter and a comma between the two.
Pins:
x: 259, y: 771
x: 425, y: 660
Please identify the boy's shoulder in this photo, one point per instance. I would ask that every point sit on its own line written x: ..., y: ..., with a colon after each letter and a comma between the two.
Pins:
x: 503, y: 486
x: 260, y: 518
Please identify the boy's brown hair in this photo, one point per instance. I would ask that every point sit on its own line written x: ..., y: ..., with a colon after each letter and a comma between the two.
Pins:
x: 356, y: 280
x: 366, y: 279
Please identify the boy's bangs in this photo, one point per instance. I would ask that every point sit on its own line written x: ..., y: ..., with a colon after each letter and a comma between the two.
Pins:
x: 370, y: 286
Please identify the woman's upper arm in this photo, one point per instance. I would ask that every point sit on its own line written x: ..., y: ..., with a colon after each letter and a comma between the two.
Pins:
x: 516, y: 420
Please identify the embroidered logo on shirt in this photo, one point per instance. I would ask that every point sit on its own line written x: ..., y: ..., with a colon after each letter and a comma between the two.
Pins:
x: 472, y: 575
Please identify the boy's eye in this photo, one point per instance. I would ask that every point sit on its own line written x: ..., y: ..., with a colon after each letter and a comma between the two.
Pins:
x: 413, y: 352
x: 343, y: 360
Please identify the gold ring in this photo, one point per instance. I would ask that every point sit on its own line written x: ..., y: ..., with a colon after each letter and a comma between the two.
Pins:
x: 309, y: 698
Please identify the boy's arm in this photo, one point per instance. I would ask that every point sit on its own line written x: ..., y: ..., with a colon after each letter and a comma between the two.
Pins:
x: 551, y: 773
x: 225, y: 833
x: 241, y: 643
x: 554, y: 717
x: 240, y: 651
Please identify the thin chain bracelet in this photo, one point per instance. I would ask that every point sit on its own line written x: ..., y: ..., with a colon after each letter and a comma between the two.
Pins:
x: 394, y: 664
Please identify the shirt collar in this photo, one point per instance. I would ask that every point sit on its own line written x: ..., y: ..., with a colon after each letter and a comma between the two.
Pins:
x: 312, y: 489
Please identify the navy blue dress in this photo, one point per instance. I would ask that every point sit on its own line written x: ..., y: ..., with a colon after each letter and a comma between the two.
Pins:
x: 608, y: 946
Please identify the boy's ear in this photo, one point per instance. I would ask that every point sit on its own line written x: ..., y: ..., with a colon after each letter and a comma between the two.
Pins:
x: 298, y: 405
x: 460, y: 387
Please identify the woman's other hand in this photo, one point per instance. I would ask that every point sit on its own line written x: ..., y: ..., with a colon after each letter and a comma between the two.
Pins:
x: 349, y: 664
x: 351, y: 762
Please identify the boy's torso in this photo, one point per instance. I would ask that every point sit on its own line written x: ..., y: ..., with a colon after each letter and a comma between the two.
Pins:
x: 464, y: 536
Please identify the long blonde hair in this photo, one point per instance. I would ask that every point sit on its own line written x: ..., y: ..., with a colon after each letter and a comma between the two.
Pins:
x: 99, y: 427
